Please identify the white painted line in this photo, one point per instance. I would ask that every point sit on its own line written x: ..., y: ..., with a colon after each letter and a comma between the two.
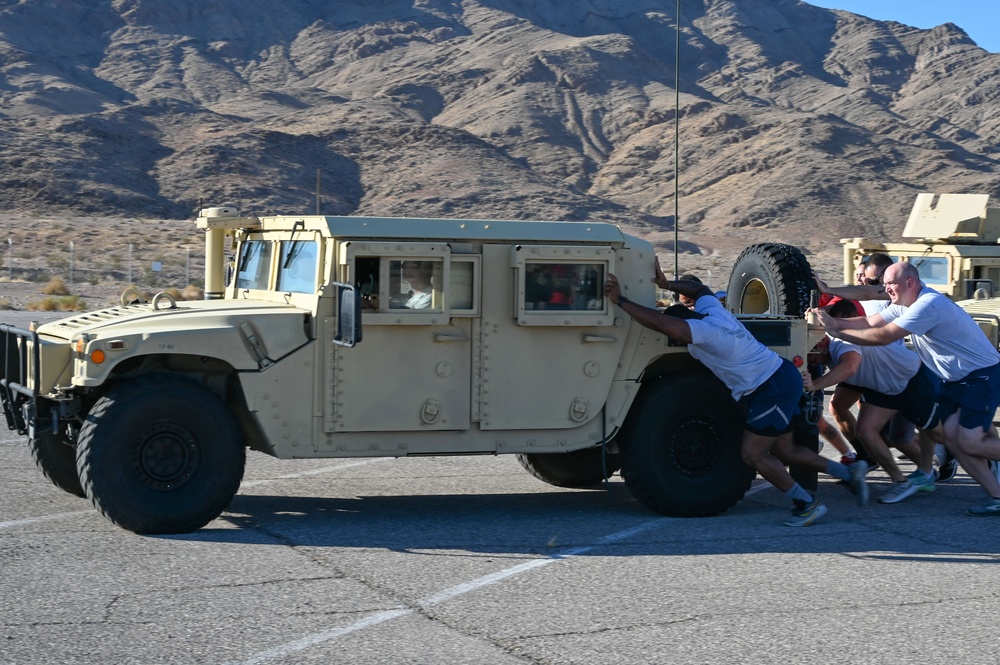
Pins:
x: 290, y: 648
x: 44, y: 518
x: 313, y: 472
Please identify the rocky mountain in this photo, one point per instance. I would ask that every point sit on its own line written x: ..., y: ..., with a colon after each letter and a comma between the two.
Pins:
x: 797, y: 124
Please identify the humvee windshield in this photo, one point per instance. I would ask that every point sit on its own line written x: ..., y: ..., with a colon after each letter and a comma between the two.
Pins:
x: 296, y: 270
x: 932, y: 269
x: 297, y: 273
x: 253, y: 268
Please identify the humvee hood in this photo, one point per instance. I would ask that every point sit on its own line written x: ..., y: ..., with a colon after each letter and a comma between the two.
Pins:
x: 236, y: 325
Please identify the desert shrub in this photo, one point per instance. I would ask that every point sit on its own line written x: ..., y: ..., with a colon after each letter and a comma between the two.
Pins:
x: 6, y: 304
x: 58, y: 304
x: 94, y: 279
x: 55, y: 287
x: 192, y: 292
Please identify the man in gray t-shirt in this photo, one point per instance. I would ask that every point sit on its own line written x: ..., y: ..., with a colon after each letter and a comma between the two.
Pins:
x: 891, y: 380
x: 951, y: 344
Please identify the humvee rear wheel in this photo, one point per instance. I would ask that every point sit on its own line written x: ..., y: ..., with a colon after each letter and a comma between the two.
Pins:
x: 56, y: 460
x: 681, y: 448
x: 770, y: 278
x: 581, y: 468
x: 160, y: 454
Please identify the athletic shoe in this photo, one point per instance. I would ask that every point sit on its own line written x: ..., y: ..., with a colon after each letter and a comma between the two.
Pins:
x: 807, y: 514
x: 898, y: 492
x: 857, y: 483
x: 990, y: 507
x: 948, y: 466
x: 872, y: 464
x: 922, y: 481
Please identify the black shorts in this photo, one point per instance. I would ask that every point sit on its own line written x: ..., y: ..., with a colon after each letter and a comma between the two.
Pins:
x: 918, y: 402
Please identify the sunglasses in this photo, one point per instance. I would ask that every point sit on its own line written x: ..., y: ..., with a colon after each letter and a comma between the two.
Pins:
x: 876, y: 280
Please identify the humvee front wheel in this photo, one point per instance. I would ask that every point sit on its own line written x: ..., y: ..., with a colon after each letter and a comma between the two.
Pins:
x: 770, y: 278
x: 160, y: 454
x: 56, y: 460
x: 581, y: 468
x: 681, y: 447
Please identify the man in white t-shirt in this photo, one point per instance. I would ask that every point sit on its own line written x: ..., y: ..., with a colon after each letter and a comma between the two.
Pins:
x: 768, y: 385
x: 870, y: 292
x: 951, y: 344
x: 891, y: 380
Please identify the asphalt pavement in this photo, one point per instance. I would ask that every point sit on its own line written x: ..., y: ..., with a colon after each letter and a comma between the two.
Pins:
x: 472, y: 560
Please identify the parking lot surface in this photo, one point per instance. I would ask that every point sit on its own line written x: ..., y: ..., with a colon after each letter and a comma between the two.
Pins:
x: 472, y: 560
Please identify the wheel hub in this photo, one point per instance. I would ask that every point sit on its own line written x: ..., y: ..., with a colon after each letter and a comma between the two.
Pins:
x: 167, y: 457
x: 695, y: 447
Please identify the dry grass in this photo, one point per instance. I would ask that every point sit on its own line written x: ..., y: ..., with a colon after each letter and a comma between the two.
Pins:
x: 109, y: 254
x: 58, y: 304
x: 55, y: 287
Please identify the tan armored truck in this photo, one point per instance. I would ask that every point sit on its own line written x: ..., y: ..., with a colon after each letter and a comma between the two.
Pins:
x: 347, y: 337
x: 954, y: 242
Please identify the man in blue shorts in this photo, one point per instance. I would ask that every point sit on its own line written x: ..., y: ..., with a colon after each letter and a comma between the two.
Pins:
x: 951, y: 344
x: 891, y: 380
x: 769, y: 387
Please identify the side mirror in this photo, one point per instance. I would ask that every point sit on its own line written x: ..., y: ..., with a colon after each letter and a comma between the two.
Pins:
x: 348, y: 315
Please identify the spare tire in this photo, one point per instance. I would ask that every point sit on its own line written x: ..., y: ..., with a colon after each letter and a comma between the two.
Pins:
x: 770, y: 278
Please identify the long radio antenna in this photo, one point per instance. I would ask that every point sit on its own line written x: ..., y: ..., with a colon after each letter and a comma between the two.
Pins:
x: 677, y: 140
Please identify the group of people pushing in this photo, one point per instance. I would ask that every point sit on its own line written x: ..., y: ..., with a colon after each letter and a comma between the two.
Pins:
x: 948, y: 386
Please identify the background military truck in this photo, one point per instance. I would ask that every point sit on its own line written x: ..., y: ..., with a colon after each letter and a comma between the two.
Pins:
x: 954, y: 242
x: 147, y: 408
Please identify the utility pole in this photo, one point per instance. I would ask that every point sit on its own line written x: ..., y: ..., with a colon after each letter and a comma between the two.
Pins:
x: 317, y: 192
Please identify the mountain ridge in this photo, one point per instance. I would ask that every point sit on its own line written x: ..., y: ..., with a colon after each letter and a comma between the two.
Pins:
x: 797, y: 124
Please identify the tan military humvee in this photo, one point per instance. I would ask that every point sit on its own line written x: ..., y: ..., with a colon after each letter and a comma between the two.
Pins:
x: 954, y: 242
x: 361, y: 337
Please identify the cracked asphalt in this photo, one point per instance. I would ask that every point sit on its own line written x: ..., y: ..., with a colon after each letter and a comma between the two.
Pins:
x: 472, y: 560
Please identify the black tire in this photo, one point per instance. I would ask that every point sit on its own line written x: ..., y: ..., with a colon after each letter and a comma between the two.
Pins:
x: 160, y: 454
x: 770, y: 278
x: 56, y: 459
x: 581, y: 468
x: 681, y: 447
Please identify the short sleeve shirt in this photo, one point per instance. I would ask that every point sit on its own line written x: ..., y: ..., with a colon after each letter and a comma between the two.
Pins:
x: 945, y: 337
x: 727, y: 348
x: 885, y: 369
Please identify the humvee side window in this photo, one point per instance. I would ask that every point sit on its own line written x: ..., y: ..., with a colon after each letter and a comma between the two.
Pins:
x: 416, y: 284
x: 366, y: 279
x: 254, y: 266
x: 563, y: 286
x: 297, y: 272
x: 462, y: 285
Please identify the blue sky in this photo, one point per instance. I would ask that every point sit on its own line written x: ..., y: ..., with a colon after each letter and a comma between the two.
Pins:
x: 976, y: 17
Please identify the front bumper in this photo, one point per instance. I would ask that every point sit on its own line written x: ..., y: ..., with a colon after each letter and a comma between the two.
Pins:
x: 19, y: 372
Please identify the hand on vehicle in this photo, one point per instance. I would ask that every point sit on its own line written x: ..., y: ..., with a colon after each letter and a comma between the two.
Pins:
x: 659, y: 278
x: 612, y: 290
x: 820, y: 284
x: 831, y: 323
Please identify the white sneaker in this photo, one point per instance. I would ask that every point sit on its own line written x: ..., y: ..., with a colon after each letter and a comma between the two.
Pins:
x: 898, y: 492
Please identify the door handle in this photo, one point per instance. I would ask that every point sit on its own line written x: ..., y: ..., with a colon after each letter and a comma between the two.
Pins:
x: 445, y: 337
x: 599, y: 338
